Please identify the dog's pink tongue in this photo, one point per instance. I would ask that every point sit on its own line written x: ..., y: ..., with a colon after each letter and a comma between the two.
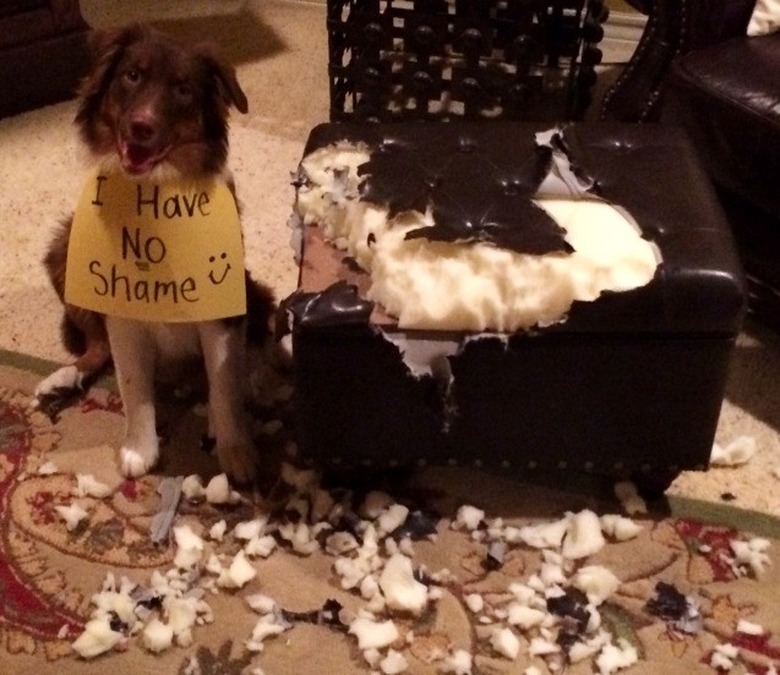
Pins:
x: 137, y: 158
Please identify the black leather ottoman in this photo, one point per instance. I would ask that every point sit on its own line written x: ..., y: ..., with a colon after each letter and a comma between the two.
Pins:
x: 629, y: 384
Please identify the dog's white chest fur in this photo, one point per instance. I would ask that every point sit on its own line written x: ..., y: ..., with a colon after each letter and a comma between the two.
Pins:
x: 171, y: 341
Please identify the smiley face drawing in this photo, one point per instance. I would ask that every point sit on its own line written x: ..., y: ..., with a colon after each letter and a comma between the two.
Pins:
x: 212, y: 277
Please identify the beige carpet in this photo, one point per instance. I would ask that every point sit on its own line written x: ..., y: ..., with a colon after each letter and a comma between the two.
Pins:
x: 280, y: 51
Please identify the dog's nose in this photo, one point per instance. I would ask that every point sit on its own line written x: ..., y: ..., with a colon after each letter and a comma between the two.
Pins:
x: 142, y: 130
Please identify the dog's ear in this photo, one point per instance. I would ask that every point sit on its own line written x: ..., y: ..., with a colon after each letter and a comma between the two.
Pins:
x: 224, y: 76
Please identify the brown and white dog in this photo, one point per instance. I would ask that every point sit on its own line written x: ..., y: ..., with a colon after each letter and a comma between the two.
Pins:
x: 153, y: 108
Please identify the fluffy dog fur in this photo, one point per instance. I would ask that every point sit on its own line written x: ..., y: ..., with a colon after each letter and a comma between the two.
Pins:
x: 153, y: 108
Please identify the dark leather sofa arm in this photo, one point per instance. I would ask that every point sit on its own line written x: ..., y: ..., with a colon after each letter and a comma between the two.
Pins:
x: 674, y: 27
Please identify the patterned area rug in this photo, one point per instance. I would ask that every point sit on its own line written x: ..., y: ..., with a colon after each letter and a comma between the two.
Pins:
x: 471, y: 620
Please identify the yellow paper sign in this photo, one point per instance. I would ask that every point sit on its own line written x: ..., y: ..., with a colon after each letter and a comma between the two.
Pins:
x: 156, y: 251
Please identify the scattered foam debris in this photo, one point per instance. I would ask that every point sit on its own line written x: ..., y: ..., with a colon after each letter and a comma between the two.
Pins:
x: 47, y: 469
x: 401, y: 590
x: 750, y: 557
x: 460, y: 662
x: 238, y: 574
x: 88, y: 486
x: 505, y: 642
x: 192, y: 488
x: 749, y: 628
x: 373, y: 634
x: 217, y: 531
x: 97, y: 638
x: 468, y: 518
x: 740, y: 451
x: 681, y: 612
x: 218, y: 491
x: 616, y: 657
x: 724, y: 656
x: 619, y: 527
x: 628, y: 494
x: 551, y: 614
x: 72, y: 514
x: 583, y: 536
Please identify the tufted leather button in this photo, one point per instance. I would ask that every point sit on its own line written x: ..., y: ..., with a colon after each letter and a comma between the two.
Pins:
x: 517, y: 92
x: 424, y: 34
x: 591, y: 56
x: 422, y: 79
x: 466, y: 145
x: 372, y: 75
x: 373, y: 32
x: 524, y: 47
x: 592, y: 31
x: 512, y: 188
x: 470, y: 85
x: 472, y: 37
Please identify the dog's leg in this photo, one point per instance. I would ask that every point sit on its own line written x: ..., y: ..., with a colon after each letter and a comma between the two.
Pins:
x: 223, y: 346
x: 84, y: 334
x: 133, y: 350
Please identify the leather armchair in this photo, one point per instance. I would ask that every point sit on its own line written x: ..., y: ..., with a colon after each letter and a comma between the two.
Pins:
x: 696, y: 67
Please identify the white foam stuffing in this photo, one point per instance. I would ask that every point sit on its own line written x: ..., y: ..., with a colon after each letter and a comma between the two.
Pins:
x: 217, y: 530
x: 475, y: 602
x: 460, y: 662
x: 597, y: 582
x: 524, y: 617
x: 740, y: 451
x: 724, y: 656
x: 374, y: 634
x: 260, y: 546
x: 374, y: 504
x: 72, y: 514
x: 266, y: 626
x: 750, y: 555
x: 88, y: 486
x: 393, y: 663
x: 250, y: 529
x: 474, y: 286
x: 218, y: 490
x: 380, y: 573
x: 749, y: 628
x: 47, y: 469
x: 192, y: 488
x: 583, y: 536
x: 240, y: 572
x: 616, y: 657
x: 505, y: 643
x: 189, y: 545
x: 468, y: 517
x: 157, y: 636
x: 619, y: 527
x: 261, y: 603
x: 391, y: 518
x: 97, y: 638
x: 400, y: 589
x: 628, y: 494
x: 544, y: 535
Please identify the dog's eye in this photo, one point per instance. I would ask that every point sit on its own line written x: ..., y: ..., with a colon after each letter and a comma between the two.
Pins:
x: 184, y: 91
x: 133, y: 75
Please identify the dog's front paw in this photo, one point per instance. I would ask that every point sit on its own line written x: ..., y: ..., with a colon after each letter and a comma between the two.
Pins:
x: 65, y: 379
x: 239, y: 461
x: 136, y: 461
